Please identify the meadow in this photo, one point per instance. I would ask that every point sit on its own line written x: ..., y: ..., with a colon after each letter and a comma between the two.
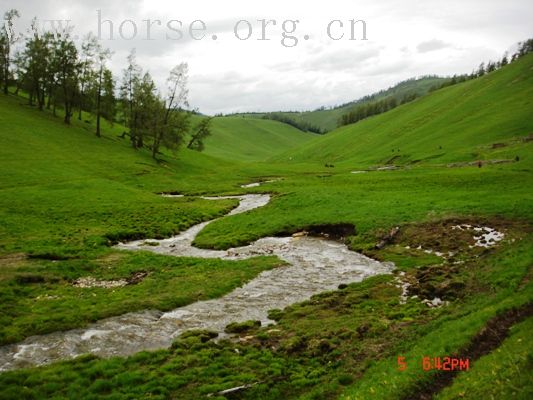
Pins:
x: 66, y: 197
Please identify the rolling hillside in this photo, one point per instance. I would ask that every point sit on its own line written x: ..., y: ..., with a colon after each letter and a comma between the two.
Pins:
x: 483, y: 118
x: 64, y: 173
x: 246, y: 139
x: 327, y: 119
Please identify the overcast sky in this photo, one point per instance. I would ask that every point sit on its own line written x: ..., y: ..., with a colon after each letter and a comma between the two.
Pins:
x: 405, y: 38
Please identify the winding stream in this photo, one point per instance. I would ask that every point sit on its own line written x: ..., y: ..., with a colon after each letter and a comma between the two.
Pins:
x: 316, y: 265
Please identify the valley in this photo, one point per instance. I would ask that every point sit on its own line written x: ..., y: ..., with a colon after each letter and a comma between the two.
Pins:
x: 276, y: 263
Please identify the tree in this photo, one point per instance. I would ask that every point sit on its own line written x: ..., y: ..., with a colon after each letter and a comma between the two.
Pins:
x: 21, y: 68
x: 523, y: 49
x: 87, y: 75
x: 203, y: 130
x: 130, y: 79
x: 108, y: 101
x: 34, y: 64
x: 102, y: 55
x: 175, y: 120
x: 51, y: 68
x: 504, y: 60
x: 147, y: 109
x: 68, y: 71
x: 7, y: 40
x: 481, y: 69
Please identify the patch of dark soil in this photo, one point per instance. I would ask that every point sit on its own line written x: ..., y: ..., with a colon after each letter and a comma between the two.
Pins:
x: 388, y: 238
x: 479, y: 163
x: 137, y: 277
x: 441, y: 236
x: 485, y: 341
x: 392, y: 159
x: 498, y: 145
x: 116, y: 237
x: 29, y: 279
x: 337, y: 231
x: 437, y: 281
x: 172, y: 193
x: 51, y: 256
x: 334, y: 231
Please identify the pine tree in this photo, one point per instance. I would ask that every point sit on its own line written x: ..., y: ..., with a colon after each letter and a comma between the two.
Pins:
x: 102, y: 56
x: 87, y: 73
x: 68, y: 72
x: 130, y: 79
x: 202, y: 131
x: 7, y: 40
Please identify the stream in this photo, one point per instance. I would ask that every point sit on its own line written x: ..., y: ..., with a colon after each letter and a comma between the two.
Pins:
x: 315, y: 265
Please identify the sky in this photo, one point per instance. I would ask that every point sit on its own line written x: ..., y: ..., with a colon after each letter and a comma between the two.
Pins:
x: 242, y: 55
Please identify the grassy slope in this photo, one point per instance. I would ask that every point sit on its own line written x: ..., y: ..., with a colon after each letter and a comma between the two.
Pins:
x: 246, y: 139
x: 328, y: 119
x: 454, y: 124
x: 65, y: 195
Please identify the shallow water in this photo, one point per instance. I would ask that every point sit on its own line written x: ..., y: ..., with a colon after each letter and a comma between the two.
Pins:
x: 316, y: 265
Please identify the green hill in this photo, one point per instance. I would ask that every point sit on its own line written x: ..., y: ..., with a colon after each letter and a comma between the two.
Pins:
x: 248, y: 139
x: 478, y: 119
x: 327, y: 119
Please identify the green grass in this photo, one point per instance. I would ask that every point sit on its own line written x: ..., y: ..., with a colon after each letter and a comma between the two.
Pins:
x: 458, y: 123
x: 246, y: 139
x: 506, y: 373
x: 379, y: 200
x: 447, y: 335
x: 65, y: 196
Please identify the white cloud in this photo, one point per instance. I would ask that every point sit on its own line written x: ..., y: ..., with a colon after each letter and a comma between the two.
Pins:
x: 431, y: 45
x: 229, y: 75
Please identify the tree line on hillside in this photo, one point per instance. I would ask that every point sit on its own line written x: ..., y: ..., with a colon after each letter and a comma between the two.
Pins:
x: 380, y: 106
x: 301, y: 125
x: 55, y: 73
x: 483, y: 69
x: 397, y: 91
x: 374, y: 108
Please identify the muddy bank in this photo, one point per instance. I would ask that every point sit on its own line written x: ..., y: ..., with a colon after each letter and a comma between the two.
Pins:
x: 314, y: 265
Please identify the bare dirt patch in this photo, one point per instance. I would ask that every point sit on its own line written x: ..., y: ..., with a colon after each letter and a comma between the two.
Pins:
x: 452, y: 236
x: 90, y: 282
